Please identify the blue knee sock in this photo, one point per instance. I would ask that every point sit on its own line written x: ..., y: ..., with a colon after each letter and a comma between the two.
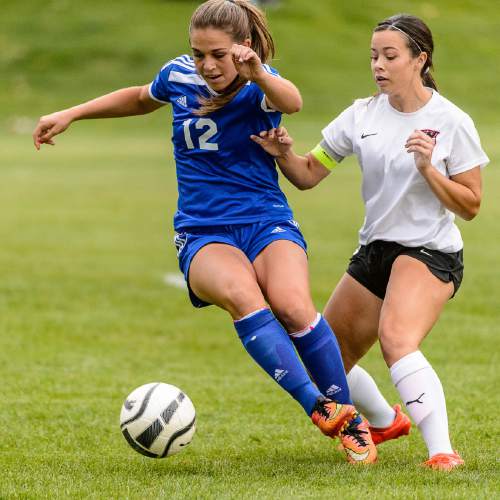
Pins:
x: 269, y: 345
x: 320, y: 353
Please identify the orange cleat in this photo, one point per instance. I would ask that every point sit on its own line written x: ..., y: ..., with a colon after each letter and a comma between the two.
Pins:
x: 358, y: 443
x: 444, y: 461
x: 400, y: 427
x: 331, y: 416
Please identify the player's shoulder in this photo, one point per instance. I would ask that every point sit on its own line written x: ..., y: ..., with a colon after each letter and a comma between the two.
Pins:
x: 181, y: 71
x: 366, y: 101
x: 364, y: 106
x: 183, y: 64
x: 370, y: 103
x: 269, y: 69
x: 449, y: 110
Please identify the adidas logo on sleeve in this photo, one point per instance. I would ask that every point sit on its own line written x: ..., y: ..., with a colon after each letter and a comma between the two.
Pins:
x: 182, y: 100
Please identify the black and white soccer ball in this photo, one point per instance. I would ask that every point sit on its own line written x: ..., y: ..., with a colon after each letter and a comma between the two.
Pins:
x: 158, y: 420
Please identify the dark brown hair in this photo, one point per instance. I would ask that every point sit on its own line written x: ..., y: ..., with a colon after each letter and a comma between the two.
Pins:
x: 418, y: 39
x: 241, y: 20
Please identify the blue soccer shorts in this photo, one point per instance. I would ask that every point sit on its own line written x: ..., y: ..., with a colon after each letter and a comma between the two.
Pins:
x: 251, y: 239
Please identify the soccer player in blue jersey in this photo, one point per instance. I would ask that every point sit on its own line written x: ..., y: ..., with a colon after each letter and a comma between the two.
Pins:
x: 238, y: 244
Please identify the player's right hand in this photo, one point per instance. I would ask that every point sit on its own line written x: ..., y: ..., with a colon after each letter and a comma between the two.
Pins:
x: 49, y: 126
x: 276, y: 141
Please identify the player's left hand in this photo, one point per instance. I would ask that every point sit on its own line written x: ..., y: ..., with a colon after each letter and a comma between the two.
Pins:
x: 422, y: 146
x: 276, y: 141
x: 247, y: 62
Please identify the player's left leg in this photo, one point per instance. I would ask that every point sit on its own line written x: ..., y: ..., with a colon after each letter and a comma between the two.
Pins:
x: 221, y: 274
x: 353, y: 312
x: 282, y: 273
x: 414, y: 300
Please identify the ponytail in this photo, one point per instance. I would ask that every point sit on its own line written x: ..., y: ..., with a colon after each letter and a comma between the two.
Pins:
x: 427, y: 78
x: 262, y: 42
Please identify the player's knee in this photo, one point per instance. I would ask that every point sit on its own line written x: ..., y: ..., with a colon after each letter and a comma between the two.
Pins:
x: 240, y: 299
x: 294, y: 312
x: 394, y: 341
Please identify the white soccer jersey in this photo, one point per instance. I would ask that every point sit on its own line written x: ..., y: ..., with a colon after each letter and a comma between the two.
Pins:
x: 399, y: 204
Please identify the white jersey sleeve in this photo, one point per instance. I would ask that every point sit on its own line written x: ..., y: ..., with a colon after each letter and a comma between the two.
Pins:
x: 338, y: 135
x: 466, y: 151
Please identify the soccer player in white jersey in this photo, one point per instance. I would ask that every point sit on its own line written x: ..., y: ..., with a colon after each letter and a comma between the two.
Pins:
x: 421, y: 160
x: 238, y: 245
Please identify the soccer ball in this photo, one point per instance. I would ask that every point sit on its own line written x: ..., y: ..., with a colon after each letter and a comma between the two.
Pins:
x: 157, y: 420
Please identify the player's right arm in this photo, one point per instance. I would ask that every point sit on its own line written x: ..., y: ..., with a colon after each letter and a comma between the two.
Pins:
x: 304, y: 172
x: 129, y: 101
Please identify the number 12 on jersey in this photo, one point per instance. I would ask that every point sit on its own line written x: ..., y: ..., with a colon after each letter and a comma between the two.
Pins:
x: 200, y: 124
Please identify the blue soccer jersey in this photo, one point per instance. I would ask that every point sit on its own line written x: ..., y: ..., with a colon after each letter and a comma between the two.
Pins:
x: 223, y: 176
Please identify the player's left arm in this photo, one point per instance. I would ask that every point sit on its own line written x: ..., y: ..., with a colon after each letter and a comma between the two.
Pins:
x: 281, y: 94
x: 460, y: 193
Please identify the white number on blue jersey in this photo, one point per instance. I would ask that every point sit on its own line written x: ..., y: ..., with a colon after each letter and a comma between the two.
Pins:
x: 201, y: 123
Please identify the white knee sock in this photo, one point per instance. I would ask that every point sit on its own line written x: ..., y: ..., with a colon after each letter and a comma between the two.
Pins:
x: 368, y: 399
x: 422, y: 394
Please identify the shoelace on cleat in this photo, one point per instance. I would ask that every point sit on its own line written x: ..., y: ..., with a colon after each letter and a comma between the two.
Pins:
x: 352, y: 430
x: 322, y: 408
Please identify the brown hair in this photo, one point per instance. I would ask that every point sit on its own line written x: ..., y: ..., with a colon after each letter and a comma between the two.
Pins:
x: 241, y: 20
x: 418, y: 39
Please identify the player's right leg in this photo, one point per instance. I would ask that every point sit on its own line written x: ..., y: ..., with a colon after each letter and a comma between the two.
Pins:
x: 353, y: 313
x: 221, y: 274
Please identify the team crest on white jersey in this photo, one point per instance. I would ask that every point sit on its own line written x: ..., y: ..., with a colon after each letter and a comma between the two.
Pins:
x: 182, y: 100
x: 278, y: 229
x: 431, y: 133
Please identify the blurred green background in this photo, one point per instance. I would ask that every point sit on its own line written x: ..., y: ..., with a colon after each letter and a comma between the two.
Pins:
x: 57, y: 52
x: 85, y: 232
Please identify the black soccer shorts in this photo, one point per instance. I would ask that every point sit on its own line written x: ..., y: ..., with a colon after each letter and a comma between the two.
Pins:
x: 371, y: 264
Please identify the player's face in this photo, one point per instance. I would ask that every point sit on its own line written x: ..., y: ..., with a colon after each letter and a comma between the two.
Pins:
x: 394, y: 67
x: 212, y: 57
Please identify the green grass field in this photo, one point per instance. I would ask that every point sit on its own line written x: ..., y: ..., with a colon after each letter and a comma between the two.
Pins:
x: 85, y: 231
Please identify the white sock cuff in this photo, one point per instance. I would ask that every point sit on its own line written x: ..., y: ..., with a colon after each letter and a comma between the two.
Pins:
x: 251, y: 314
x: 353, y: 376
x: 307, y: 329
x: 407, y: 365
x: 316, y: 321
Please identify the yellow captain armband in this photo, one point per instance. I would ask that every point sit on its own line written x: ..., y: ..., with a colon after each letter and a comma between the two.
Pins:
x: 323, y: 157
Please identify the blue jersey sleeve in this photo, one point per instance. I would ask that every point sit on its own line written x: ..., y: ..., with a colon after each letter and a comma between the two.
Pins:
x: 260, y: 97
x: 159, y: 90
x: 269, y: 69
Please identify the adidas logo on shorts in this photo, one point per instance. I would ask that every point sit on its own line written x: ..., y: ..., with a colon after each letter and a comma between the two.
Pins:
x: 278, y: 229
